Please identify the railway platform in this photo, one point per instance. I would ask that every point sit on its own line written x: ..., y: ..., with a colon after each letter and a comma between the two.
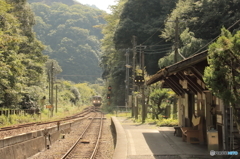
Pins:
x: 145, y: 141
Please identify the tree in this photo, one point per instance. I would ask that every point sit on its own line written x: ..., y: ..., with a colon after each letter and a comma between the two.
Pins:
x: 189, y: 46
x: 202, y: 21
x: 112, y: 61
x: 141, y: 18
x: 222, y: 74
x: 157, y: 97
x: 72, y: 38
x: 86, y: 92
x: 57, y: 69
x: 31, y: 48
x: 144, y: 19
x: 22, y: 61
x: 77, y: 95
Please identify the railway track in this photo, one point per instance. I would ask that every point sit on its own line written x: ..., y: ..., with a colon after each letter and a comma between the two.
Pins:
x: 88, y: 142
x: 82, y: 114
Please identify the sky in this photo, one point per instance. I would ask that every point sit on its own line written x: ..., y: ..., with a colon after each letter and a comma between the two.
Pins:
x: 101, y: 4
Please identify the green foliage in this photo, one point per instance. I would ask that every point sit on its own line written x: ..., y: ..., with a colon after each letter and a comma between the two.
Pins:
x: 49, y: 2
x: 71, y: 38
x: 157, y: 95
x: 3, y: 120
x: 21, y: 54
x: 221, y: 75
x: 199, y: 23
x: 56, y: 68
x: 167, y: 122
x: 63, y: 111
x: 15, y: 119
x: 189, y: 45
x: 144, y: 20
x: 86, y: 93
x: 159, y: 99
x: 112, y: 61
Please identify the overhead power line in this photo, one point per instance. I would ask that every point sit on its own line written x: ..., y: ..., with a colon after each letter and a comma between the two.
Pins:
x: 153, y: 34
x: 78, y: 75
x: 216, y: 37
x: 165, y: 49
x: 160, y: 45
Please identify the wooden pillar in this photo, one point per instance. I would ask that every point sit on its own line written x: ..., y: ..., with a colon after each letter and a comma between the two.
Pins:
x: 208, y: 109
x: 180, y: 111
x: 185, y: 106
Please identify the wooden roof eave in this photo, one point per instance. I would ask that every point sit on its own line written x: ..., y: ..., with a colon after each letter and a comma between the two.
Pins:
x: 179, y: 66
x: 159, y: 76
x: 188, y: 62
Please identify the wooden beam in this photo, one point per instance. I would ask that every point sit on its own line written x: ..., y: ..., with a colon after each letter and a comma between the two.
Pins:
x: 176, y: 83
x: 195, y: 85
x: 190, y: 86
x: 173, y: 85
x: 197, y: 73
x: 173, y: 88
x: 179, y: 76
x: 199, y: 76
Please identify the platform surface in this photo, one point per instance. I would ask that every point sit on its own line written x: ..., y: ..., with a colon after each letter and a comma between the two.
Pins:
x: 145, y: 141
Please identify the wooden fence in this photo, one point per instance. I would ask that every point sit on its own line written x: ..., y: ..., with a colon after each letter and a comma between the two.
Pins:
x: 19, y: 112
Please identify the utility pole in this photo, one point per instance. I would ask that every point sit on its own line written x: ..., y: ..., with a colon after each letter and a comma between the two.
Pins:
x: 176, y: 40
x: 52, y: 89
x: 135, y: 105
x: 49, y: 85
x: 56, y: 97
x: 143, y: 95
x: 127, y: 79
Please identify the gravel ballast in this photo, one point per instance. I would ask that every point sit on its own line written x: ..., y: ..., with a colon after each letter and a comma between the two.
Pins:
x: 58, y: 148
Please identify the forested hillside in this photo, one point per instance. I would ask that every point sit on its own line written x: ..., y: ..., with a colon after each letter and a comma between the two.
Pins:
x: 25, y: 76
x: 71, y: 34
x: 21, y: 59
x: 154, y: 25
x: 49, y: 2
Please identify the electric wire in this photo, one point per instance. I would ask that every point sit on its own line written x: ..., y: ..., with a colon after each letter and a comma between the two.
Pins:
x: 216, y: 37
x: 159, y: 42
x: 78, y: 75
x: 159, y: 45
x: 164, y: 49
x: 156, y: 53
x: 153, y: 34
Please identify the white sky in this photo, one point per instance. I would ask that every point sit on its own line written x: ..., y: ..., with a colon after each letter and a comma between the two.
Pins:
x: 101, y: 4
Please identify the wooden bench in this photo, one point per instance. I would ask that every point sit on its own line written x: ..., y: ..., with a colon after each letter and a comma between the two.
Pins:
x: 193, y: 134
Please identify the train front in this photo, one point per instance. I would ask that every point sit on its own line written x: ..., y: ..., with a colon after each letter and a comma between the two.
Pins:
x: 97, y: 101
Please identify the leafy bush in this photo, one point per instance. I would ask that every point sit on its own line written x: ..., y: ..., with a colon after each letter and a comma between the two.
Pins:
x: 167, y: 122
x: 3, y: 120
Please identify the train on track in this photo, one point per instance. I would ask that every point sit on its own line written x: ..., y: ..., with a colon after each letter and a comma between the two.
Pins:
x: 97, y: 101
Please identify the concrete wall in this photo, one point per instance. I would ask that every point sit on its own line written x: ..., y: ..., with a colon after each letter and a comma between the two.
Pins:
x: 120, y: 151
x: 27, y: 145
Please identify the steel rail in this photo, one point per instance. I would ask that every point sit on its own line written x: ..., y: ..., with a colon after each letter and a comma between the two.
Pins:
x: 75, y: 144
x: 98, y: 139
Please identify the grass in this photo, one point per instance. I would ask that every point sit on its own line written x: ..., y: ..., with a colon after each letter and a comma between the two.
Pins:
x: 45, y: 116
x: 159, y: 122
